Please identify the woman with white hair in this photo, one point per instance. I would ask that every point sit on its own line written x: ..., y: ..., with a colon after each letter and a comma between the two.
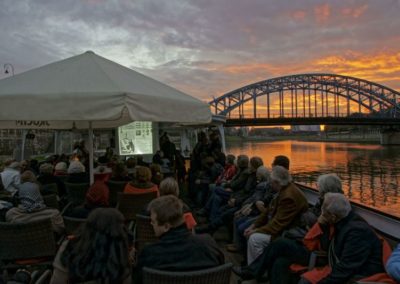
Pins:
x: 46, y: 177
x: 77, y: 173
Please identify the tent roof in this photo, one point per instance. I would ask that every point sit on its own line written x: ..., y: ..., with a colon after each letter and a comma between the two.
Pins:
x: 88, y: 87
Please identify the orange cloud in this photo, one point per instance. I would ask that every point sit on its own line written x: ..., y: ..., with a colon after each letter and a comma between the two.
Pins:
x: 322, y: 13
x: 355, y: 12
x: 298, y: 15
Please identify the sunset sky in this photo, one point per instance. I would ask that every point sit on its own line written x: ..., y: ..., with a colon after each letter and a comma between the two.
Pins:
x: 209, y: 47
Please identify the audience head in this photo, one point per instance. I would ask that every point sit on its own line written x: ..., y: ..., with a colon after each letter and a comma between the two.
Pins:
x: 336, y: 206
x: 143, y: 174
x: 30, y: 197
x: 255, y: 162
x: 97, y: 195
x: 280, y: 177
x: 119, y: 170
x: 329, y: 183
x: 166, y: 213
x: 46, y: 169
x: 13, y: 165
x: 230, y: 159
x: 263, y: 174
x: 243, y: 161
x: 131, y: 163
x: 76, y: 167
x: 61, y: 167
x: 28, y: 176
x: 169, y: 186
x: 104, y: 238
x: 282, y: 161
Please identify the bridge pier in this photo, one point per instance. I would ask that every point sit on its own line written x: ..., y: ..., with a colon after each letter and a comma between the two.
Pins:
x: 390, y: 137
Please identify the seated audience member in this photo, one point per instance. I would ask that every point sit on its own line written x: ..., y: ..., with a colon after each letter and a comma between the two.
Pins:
x: 98, y: 253
x: 120, y: 173
x: 97, y: 196
x: 393, y: 264
x: 229, y: 171
x: 31, y: 205
x: 169, y: 186
x: 279, y: 254
x: 76, y: 173
x: 61, y: 169
x: 46, y: 177
x: 284, y: 212
x: 142, y: 183
x: 11, y: 176
x: 354, y: 249
x: 130, y: 166
x: 177, y: 249
x: 156, y: 175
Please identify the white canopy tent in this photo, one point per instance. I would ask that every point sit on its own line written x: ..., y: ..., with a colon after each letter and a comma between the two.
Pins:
x: 88, y: 91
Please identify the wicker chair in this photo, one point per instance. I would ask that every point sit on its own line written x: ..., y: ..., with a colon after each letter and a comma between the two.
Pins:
x: 130, y: 204
x: 115, y: 187
x: 218, y: 275
x: 50, y: 188
x: 76, y: 192
x: 51, y: 201
x: 144, y: 232
x: 31, y: 240
x: 72, y: 224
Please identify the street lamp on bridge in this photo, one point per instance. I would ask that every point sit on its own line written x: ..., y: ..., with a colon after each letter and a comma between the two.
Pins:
x: 9, y: 67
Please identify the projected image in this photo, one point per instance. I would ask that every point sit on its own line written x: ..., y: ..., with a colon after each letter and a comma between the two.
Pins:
x: 135, y: 138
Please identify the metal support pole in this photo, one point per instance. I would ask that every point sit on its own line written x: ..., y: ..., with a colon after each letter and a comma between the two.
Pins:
x: 91, y: 153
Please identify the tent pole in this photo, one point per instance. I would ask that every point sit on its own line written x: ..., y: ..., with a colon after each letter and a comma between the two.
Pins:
x: 24, y: 132
x: 91, y: 155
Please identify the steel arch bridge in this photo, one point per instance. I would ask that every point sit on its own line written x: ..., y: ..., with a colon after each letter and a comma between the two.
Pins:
x: 310, y: 99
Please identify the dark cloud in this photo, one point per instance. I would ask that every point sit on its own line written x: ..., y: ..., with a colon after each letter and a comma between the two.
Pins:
x: 198, y: 45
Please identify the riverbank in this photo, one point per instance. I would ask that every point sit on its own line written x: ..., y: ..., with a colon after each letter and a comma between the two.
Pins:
x: 345, y: 138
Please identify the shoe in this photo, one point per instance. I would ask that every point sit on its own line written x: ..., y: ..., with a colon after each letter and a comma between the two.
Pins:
x: 242, y: 272
x: 232, y: 248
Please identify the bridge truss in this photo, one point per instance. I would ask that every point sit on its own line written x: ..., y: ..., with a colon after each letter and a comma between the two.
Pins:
x: 310, y: 99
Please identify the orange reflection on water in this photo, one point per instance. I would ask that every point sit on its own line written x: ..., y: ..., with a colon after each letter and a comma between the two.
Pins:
x: 369, y: 173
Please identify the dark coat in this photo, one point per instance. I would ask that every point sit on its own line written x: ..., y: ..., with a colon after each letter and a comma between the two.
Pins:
x: 358, y: 251
x: 179, y: 250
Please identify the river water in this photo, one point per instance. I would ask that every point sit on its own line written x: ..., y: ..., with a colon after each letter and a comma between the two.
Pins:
x: 370, y: 172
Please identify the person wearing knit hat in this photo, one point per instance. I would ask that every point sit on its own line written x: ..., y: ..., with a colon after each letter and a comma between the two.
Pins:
x: 32, y: 207
x: 97, y: 196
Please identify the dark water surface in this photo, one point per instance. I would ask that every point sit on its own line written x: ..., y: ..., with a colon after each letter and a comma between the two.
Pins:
x: 370, y: 173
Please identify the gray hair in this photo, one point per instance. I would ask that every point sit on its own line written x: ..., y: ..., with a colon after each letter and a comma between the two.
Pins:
x: 336, y: 204
x: 329, y: 183
x: 46, y: 168
x: 76, y: 167
x: 281, y: 175
x: 263, y: 174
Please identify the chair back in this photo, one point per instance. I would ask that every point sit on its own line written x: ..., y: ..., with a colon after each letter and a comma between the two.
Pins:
x: 220, y: 274
x: 76, y: 192
x: 27, y: 240
x: 130, y: 204
x: 50, y: 188
x: 72, y: 224
x: 144, y: 232
x: 51, y: 201
x: 114, y: 187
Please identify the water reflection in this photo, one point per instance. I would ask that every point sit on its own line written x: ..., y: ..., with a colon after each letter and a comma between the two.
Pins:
x: 369, y: 172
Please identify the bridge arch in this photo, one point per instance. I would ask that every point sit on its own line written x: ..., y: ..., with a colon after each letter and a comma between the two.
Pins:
x: 310, y: 96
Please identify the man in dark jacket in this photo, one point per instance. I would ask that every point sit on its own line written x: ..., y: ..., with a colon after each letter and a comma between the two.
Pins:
x: 355, y: 250
x: 177, y: 249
